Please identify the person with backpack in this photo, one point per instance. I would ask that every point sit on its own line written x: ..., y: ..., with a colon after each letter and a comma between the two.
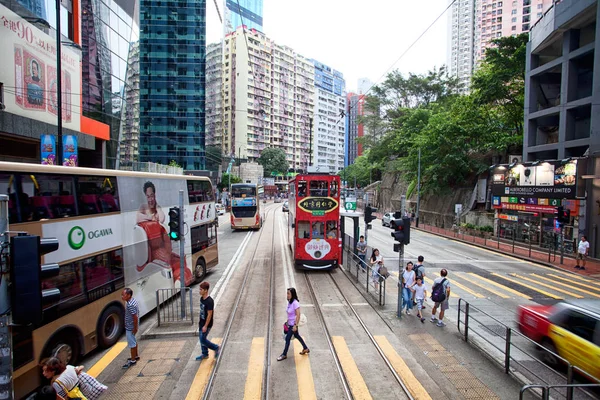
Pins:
x: 419, y: 269
x: 440, y: 293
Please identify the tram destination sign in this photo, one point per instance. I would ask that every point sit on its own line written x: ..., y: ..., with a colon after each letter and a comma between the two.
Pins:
x: 318, y: 206
x: 554, y: 179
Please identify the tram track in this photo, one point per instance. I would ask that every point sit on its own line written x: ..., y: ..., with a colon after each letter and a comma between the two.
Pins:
x: 319, y: 310
x: 243, y: 291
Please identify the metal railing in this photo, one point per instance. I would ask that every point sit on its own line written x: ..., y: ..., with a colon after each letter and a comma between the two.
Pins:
x: 510, y: 343
x: 171, y: 309
x: 374, y: 283
x: 545, y: 389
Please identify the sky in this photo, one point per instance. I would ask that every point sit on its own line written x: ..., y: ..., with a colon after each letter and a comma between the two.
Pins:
x: 359, y: 39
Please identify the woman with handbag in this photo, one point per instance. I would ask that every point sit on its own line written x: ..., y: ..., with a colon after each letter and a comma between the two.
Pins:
x: 290, y: 328
x: 71, y: 382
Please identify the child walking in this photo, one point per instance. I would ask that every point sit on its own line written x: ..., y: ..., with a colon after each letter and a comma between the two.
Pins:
x: 420, y: 295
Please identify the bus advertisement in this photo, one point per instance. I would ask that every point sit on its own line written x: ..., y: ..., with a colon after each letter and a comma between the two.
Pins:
x: 112, y: 231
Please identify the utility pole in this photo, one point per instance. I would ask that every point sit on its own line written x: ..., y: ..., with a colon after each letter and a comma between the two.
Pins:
x: 418, y: 191
x: 59, y: 143
x: 401, y: 272
x: 310, y: 141
x: 182, y: 253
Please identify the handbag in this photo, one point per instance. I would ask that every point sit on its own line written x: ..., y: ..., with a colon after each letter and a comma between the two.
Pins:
x: 383, y: 272
x: 302, y: 320
x: 74, y: 393
x: 90, y: 387
x: 285, y: 328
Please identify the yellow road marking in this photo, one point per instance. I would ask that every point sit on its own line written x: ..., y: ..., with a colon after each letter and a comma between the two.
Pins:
x: 253, y: 389
x: 484, y: 287
x: 414, y: 386
x: 548, y: 286
x: 491, y: 282
x: 306, y: 384
x: 431, y: 287
x: 574, y: 276
x: 527, y: 286
x: 466, y: 289
x: 596, y: 288
x: 571, y: 286
x: 201, y: 379
x: 355, y: 380
x: 107, y: 359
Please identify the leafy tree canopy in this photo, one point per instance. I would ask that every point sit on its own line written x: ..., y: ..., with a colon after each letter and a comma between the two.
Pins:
x: 226, y: 179
x: 273, y: 160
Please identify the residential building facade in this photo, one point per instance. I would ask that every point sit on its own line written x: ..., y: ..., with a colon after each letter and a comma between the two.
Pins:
x: 243, y: 12
x: 329, y: 125
x: 268, y: 98
x: 172, y: 82
x: 214, y: 95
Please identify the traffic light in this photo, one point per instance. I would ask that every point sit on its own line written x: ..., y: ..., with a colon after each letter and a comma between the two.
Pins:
x: 369, y: 211
x: 406, y: 224
x: 398, y: 227
x: 27, y: 273
x: 563, y: 215
x: 175, y: 223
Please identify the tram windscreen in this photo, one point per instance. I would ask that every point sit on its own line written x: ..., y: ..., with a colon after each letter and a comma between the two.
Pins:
x: 243, y: 191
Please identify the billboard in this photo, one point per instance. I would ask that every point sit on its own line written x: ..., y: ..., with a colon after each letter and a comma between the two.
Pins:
x: 30, y: 75
x: 548, y: 180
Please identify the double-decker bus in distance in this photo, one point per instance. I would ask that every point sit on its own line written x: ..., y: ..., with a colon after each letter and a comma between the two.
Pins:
x: 313, y: 222
x: 112, y: 232
x: 246, y: 206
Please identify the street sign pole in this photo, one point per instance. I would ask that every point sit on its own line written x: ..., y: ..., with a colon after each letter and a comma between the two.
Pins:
x: 182, y: 254
x: 401, y: 272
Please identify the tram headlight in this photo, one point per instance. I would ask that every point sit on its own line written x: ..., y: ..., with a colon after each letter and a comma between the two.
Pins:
x: 317, y: 254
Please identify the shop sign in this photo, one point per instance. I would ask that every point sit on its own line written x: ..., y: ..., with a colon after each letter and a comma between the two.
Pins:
x: 29, y: 67
x: 509, y: 217
x: 550, y: 180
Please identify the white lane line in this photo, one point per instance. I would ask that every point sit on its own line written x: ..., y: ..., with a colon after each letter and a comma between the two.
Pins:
x: 231, y: 267
x: 332, y: 305
x: 287, y: 265
x: 286, y: 279
x: 459, y: 254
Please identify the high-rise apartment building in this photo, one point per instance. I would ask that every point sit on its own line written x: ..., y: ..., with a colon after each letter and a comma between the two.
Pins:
x: 214, y: 96
x: 473, y: 24
x: 329, y: 122
x: 355, y: 130
x: 172, y: 79
x: 364, y: 84
x: 268, y: 100
x: 243, y: 12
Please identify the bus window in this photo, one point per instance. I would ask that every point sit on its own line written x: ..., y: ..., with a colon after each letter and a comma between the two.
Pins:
x: 317, y: 230
x: 17, y: 211
x: 51, y: 195
x: 304, y: 230
x: 301, y: 188
x: 97, y: 194
x: 103, y: 274
x: 200, y: 191
x: 318, y: 188
x: 331, y: 230
x: 333, y: 189
x: 241, y: 191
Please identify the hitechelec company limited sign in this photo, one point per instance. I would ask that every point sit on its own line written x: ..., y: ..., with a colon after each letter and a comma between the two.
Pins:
x: 77, y: 236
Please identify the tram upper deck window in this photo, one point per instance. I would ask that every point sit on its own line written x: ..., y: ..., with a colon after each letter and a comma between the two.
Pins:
x: 303, y: 230
x: 333, y: 189
x: 301, y: 188
x: 318, y: 188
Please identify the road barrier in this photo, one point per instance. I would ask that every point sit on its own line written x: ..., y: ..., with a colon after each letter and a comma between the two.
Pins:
x: 374, y: 283
x: 169, y: 307
x: 508, y: 347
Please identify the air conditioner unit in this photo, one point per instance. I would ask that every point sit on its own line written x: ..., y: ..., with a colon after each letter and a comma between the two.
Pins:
x: 515, y: 158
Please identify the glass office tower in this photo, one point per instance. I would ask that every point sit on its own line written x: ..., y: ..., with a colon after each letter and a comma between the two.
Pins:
x: 172, y: 77
x: 244, y: 12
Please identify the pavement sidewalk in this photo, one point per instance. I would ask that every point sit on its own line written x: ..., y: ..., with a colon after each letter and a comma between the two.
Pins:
x: 592, y: 267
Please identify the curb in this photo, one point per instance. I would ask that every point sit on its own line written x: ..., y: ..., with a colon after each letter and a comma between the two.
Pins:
x: 166, y: 335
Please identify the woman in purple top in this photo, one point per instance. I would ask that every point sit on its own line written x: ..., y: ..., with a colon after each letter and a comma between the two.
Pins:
x: 293, y: 317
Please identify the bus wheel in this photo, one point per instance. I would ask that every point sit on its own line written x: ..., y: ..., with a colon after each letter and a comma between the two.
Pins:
x: 200, y: 270
x: 110, y: 326
x: 65, y: 347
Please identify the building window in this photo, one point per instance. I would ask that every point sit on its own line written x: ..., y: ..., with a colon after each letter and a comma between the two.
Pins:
x: 525, y: 27
x: 513, y: 19
x: 514, y: 28
x: 540, y: 6
x: 514, y: 12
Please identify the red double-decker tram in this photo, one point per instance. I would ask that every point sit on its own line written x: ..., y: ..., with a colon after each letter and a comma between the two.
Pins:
x: 313, y: 222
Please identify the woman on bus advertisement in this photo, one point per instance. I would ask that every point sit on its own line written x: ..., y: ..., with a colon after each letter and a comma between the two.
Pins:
x: 150, y: 211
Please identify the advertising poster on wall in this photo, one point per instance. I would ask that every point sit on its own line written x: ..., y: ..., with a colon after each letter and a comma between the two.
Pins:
x: 48, y: 149
x: 30, y: 74
x: 69, y: 149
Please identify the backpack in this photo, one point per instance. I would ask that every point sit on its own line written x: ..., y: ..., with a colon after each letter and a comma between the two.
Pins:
x: 418, y: 272
x: 438, y: 292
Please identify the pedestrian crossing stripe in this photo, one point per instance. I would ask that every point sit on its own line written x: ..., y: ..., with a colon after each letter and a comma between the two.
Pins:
x: 466, y: 289
x: 491, y: 282
x: 574, y: 276
x: 548, y: 286
x: 357, y: 384
x: 304, y: 376
x: 571, y: 286
x: 202, y: 375
x: 527, y: 286
x: 473, y: 282
x: 571, y: 281
x: 256, y: 363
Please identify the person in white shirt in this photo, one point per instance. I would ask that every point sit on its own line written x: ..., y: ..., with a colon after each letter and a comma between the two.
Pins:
x: 408, y: 280
x: 376, y: 262
x: 582, y: 252
x: 420, y: 294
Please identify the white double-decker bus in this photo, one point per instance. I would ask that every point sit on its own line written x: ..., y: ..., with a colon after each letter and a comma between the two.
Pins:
x: 112, y: 229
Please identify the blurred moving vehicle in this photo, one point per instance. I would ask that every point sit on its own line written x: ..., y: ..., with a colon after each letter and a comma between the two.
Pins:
x: 386, y: 219
x: 220, y: 209
x: 285, y: 207
x: 277, y: 199
x: 570, y: 329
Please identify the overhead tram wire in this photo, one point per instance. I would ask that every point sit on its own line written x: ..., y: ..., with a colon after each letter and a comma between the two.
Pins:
x: 401, y: 56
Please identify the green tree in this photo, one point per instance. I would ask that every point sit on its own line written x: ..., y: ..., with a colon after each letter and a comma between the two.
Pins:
x: 273, y: 160
x: 174, y: 163
x: 361, y: 171
x: 226, y: 179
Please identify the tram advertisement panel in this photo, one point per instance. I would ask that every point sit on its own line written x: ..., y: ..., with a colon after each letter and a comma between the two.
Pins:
x: 318, y: 206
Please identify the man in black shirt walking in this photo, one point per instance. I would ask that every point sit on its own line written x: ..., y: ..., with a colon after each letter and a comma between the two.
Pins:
x: 207, y: 306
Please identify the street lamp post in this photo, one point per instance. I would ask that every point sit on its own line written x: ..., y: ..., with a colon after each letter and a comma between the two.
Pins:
x: 310, y: 141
